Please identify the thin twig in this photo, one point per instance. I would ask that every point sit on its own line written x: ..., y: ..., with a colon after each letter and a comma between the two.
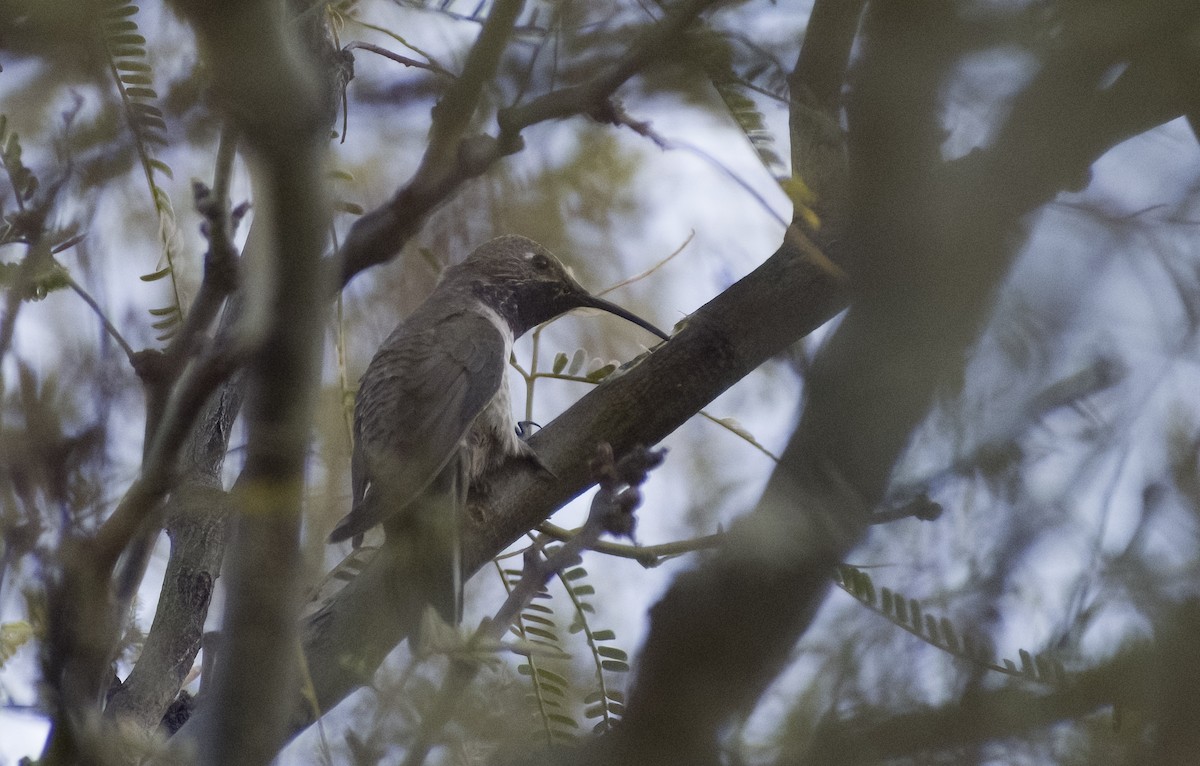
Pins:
x: 108, y: 325
x: 638, y: 277
x: 615, y: 114
x: 745, y: 436
x: 405, y: 60
x: 428, y: 57
x: 648, y: 556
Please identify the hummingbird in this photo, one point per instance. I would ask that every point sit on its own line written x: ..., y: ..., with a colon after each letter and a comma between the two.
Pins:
x: 432, y: 416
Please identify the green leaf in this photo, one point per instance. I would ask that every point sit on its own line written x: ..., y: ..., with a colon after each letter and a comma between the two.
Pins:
x: 600, y: 373
x: 120, y: 11
x: 577, y: 360
x: 615, y: 666
x: 154, y: 277
x: 163, y: 168
x: 560, y: 363
x: 127, y: 52
x: 1044, y: 668
x: 950, y: 635
x: 604, y: 635
x: 931, y: 628
x: 612, y: 653
x: 595, y: 711
x: 555, y: 678
x: 126, y: 39
x: 1027, y: 666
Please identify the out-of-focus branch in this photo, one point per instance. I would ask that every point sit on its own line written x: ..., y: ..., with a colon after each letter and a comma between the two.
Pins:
x: 982, y: 716
x: 109, y: 327
x: 1155, y: 679
x: 195, y: 515
x: 278, y: 102
x: 814, y: 118
x: 158, y: 469
x: 86, y: 626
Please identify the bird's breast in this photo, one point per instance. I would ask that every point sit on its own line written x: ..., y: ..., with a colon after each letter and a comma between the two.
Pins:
x: 493, y: 438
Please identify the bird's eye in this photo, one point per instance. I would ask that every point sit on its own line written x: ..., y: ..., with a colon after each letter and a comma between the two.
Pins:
x: 540, y: 262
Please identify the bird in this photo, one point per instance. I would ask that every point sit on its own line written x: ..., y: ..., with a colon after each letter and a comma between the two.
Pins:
x: 432, y: 415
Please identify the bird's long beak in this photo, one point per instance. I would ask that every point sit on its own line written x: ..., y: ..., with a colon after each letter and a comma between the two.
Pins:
x: 592, y: 302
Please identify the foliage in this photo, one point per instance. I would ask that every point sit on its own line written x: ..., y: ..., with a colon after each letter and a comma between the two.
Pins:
x: 1061, y: 439
x: 134, y: 79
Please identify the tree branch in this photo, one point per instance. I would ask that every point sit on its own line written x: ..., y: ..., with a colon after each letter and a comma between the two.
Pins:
x: 928, y: 244
x: 251, y: 49
x: 379, y: 234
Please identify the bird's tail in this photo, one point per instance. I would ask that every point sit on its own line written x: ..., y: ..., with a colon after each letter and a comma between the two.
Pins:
x: 430, y: 529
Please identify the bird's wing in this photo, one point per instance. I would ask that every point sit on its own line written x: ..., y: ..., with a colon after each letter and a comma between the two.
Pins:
x: 416, y: 401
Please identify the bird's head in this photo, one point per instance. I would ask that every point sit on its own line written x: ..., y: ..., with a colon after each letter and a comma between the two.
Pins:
x: 527, y: 285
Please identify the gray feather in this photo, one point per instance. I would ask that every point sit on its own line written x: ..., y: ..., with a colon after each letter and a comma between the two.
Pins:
x: 408, y: 426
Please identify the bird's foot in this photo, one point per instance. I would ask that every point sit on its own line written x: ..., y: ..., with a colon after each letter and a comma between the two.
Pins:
x: 526, y: 428
x: 529, y: 453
